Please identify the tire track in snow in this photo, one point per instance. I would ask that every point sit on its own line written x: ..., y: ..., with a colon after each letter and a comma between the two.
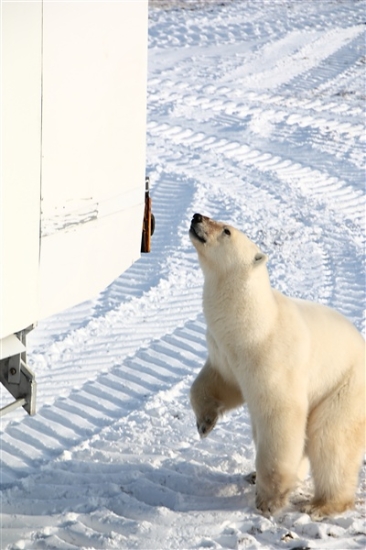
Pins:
x: 341, y: 289
x: 116, y: 477
x: 244, y: 22
x: 334, y: 70
x: 159, y: 481
x: 176, y: 95
x: 132, y: 482
x: 301, y: 62
x: 335, y: 128
x: 312, y: 183
x: 288, y: 183
x: 35, y: 441
x: 335, y: 144
x: 98, y: 347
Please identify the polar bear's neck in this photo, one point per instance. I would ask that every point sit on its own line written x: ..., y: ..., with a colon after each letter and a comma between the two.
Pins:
x: 241, y: 303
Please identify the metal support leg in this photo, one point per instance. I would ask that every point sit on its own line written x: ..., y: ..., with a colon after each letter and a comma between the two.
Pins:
x: 19, y: 380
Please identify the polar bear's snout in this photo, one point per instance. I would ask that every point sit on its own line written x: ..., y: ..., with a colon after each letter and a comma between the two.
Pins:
x: 197, y: 218
x: 197, y: 229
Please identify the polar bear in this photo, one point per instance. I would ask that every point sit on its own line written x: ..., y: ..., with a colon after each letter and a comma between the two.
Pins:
x: 299, y: 366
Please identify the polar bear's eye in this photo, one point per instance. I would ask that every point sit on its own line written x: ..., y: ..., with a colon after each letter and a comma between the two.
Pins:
x: 227, y: 231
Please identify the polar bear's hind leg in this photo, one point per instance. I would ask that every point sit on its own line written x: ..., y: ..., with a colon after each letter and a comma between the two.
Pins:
x: 336, y: 433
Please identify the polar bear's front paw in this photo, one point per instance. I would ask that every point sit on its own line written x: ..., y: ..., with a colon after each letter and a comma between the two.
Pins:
x: 206, y: 424
x: 269, y: 505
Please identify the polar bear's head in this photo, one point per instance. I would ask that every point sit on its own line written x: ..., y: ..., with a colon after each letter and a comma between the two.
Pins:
x: 222, y: 248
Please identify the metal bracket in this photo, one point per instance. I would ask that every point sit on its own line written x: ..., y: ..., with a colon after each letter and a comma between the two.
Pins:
x: 14, y: 369
x: 19, y: 380
x: 148, y: 225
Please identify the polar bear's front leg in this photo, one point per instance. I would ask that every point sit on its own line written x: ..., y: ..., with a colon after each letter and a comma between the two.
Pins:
x: 280, y: 454
x: 211, y: 396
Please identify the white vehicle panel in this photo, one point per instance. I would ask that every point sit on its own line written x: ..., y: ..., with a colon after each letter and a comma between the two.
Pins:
x: 73, y: 131
x: 93, y: 146
x: 21, y: 38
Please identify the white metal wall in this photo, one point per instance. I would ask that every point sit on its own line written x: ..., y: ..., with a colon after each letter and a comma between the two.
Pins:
x: 93, y: 146
x: 90, y: 58
x: 21, y: 36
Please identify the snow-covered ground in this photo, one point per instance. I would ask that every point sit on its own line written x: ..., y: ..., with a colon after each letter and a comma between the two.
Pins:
x: 255, y: 116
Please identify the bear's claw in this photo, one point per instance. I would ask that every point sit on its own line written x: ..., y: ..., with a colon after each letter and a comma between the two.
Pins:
x: 205, y: 426
x: 251, y: 478
x: 270, y: 505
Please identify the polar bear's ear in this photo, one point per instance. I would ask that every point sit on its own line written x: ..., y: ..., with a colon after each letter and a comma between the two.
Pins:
x: 260, y: 258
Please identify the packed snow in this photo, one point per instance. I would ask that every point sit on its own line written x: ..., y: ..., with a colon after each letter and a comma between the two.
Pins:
x: 255, y: 117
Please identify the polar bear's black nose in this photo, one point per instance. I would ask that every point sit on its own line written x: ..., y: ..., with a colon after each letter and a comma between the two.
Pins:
x: 197, y: 218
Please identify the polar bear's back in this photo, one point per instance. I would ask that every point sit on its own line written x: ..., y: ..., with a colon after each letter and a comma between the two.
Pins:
x: 330, y: 323
x: 337, y: 347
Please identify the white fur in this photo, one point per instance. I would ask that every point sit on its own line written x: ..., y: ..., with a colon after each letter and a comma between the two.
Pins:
x: 299, y: 366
